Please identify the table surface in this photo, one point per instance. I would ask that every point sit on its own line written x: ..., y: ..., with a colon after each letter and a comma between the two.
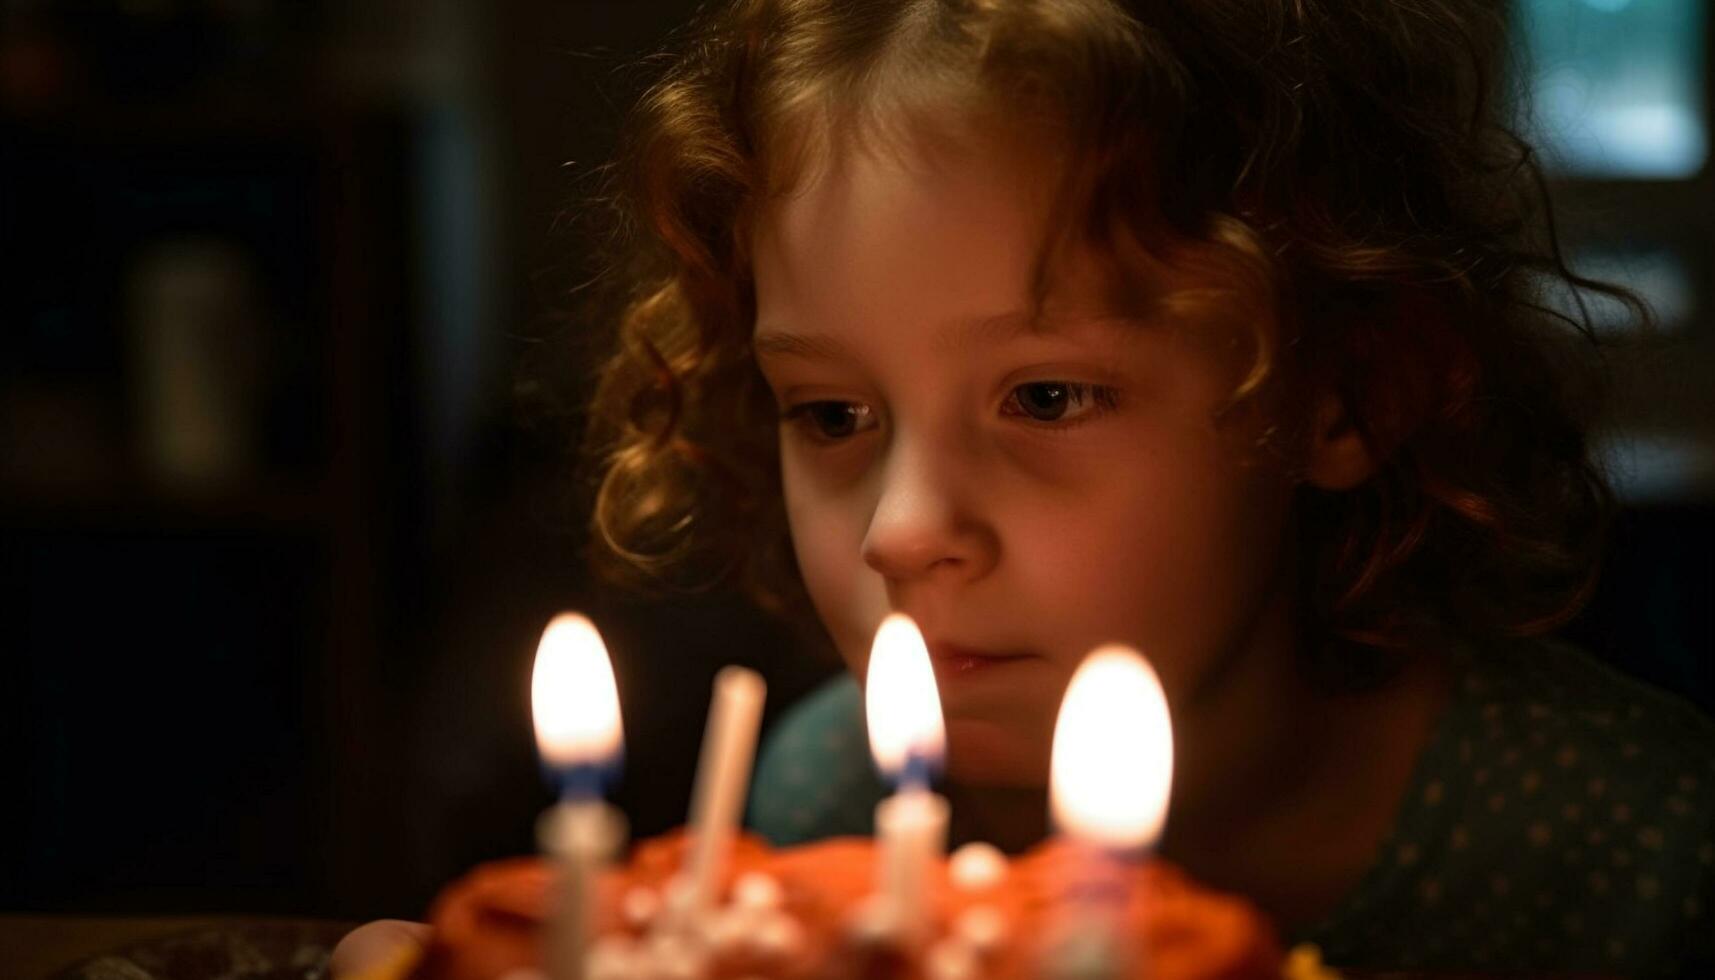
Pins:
x: 37, y: 947
x: 48, y: 947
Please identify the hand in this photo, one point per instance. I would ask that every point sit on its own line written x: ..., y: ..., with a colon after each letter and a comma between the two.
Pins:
x: 376, y: 950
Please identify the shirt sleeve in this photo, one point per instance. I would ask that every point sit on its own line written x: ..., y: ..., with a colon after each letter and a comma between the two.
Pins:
x: 814, y: 778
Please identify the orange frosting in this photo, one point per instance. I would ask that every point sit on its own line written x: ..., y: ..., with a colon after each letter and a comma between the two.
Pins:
x: 489, y: 922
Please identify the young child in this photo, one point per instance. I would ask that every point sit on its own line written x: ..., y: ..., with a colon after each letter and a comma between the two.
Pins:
x: 1218, y: 328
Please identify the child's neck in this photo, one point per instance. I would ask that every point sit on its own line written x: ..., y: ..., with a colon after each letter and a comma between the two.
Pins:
x: 1283, y: 791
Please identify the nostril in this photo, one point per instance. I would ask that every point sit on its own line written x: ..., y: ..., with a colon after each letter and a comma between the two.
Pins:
x: 901, y: 555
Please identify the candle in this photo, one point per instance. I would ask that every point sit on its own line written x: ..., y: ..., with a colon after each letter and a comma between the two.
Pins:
x: 1112, y: 762
x: 723, y: 775
x: 907, y: 738
x: 575, y: 706
x: 1112, y: 771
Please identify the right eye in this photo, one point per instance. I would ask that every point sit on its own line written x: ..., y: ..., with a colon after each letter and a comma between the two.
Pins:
x: 831, y: 421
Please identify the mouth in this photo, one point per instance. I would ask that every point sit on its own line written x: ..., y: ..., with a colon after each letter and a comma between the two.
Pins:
x: 953, y: 660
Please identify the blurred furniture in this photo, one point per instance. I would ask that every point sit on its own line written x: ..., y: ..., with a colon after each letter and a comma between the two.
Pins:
x: 205, y: 394
x: 1620, y: 104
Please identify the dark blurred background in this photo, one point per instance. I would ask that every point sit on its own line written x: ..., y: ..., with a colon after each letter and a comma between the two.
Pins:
x: 288, y: 385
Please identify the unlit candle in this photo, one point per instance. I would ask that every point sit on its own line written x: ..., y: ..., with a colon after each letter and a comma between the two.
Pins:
x: 723, y: 776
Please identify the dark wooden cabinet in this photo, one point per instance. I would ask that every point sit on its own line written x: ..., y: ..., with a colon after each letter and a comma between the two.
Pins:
x: 206, y: 302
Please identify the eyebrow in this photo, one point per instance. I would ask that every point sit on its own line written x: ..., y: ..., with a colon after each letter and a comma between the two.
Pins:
x: 771, y: 341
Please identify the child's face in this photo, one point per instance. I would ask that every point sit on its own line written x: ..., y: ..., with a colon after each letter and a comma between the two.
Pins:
x: 1025, y: 496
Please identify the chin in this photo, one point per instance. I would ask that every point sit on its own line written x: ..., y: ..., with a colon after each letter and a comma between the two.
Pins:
x: 986, y: 753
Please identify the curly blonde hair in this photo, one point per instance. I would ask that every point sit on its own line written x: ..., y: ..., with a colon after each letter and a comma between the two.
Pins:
x: 1343, y: 166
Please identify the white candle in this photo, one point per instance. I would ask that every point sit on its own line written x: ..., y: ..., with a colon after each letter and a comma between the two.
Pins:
x: 912, y: 827
x: 723, y: 776
x: 1112, y: 771
x: 580, y: 837
x: 907, y: 737
x: 575, y: 705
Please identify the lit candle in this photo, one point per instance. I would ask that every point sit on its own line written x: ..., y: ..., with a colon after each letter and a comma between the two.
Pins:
x: 1112, y: 771
x: 576, y: 711
x: 907, y: 738
x: 1112, y: 766
x: 723, y: 775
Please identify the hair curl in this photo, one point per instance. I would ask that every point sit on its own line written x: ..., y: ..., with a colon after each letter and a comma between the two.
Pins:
x: 1343, y: 164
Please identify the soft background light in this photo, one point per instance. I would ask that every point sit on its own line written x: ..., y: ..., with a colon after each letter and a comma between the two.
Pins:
x: 1113, y: 752
x: 1617, y: 87
x: 901, y: 700
x: 573, y: 697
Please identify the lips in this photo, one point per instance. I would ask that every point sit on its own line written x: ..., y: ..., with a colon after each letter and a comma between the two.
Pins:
x: 954, y: 659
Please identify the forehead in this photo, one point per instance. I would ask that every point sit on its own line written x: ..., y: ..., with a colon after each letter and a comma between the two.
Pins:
x: 941, y: 229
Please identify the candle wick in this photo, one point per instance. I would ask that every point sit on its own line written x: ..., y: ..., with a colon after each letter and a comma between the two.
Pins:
x: 917, y: 771
x: 580, y: 781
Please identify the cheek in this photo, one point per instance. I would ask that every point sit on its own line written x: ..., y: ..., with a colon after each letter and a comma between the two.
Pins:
x: 1172, y: 562
x: 827, y: 539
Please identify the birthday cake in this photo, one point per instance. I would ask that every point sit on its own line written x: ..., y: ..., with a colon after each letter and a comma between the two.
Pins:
x: 801, y: 912
x: 713, y: 903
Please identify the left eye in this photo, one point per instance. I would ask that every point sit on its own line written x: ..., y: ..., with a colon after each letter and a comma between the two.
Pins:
x: 1056, y: 401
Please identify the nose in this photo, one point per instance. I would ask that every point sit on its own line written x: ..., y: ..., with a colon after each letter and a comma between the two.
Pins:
x: 926, y: 521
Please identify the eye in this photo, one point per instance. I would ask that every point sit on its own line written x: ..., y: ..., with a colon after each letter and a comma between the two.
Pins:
x: 1057, y: 401
x: 831, y: 421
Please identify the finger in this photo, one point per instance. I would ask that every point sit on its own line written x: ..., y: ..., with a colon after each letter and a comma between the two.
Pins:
x: 374, y: 946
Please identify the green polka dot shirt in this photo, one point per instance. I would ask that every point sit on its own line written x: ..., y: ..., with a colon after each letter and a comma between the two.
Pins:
x: 1561, y: 818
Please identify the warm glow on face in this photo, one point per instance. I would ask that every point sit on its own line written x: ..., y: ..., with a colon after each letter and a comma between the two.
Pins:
x: 903, y: 704
x: 1113, y: 753
x: 572, y: 696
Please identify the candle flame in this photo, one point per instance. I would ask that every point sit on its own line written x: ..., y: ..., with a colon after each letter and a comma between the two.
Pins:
x: 573, y: 697
x: 1113, y: 752
x: 903, y: 705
